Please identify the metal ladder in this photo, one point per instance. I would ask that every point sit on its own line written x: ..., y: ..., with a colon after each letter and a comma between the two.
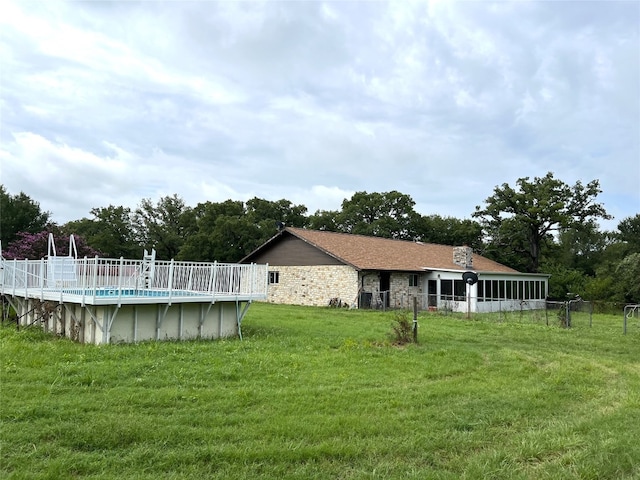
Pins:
x: 148, y: 268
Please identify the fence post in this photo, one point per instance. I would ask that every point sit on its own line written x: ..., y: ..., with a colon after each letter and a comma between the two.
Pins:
x: 415, y: 319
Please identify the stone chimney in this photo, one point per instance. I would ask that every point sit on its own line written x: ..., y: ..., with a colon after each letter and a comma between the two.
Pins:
x: 463, y: 256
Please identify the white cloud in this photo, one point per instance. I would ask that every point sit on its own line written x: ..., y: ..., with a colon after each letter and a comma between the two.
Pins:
x: 111, y: 102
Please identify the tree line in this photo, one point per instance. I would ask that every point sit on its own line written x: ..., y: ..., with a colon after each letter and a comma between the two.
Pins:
x: 538, y: 225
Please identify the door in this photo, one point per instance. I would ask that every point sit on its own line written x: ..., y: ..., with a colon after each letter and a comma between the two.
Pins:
x: 385, y: 286
x: 432, y: 293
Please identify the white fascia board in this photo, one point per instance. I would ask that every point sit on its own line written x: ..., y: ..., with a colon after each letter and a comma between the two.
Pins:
x: 487, y: 273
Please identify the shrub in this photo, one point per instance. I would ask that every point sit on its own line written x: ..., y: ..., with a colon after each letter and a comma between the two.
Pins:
x: 402, y: 328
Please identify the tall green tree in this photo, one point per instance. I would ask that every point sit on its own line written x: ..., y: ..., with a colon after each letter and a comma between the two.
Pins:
x: 111, y: 231
x: 389, y: 215
x: 324, y: 220
x: 208, y: 218
x: 580, y: 247
x: 230, y: 230
x: 265, y: 211
x: 629, y: 233
x: 537, y: 208
x: 163, y: 226
x: 628, y: 275
x: 448, y: 231
x: 268, y: 215
x: 19, y: 213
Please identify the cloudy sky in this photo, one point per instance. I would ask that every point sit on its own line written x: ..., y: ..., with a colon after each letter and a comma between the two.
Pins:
x: 107, y: 103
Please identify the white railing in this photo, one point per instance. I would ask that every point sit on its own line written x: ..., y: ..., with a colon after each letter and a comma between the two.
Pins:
x: 88, y: 275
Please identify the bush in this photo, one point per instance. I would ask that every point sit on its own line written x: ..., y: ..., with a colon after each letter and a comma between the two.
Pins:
x: 402, y: 328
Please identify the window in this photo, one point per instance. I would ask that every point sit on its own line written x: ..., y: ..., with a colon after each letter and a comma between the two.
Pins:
x: 274, y: 277
x: 413, y: 279
x: 481, y: 291
x: 460, y: 290
x: 446, y: 289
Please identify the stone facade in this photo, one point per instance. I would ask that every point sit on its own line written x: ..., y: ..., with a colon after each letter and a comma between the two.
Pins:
x: 400, y: 294
x: 314, y: 285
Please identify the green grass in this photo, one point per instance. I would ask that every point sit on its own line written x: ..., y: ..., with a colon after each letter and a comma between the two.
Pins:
x: 319, y: 393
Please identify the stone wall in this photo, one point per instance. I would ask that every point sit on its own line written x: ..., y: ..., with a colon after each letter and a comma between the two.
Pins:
x: 401, y: 293
x: 317, y: 285
x: 314, y: 285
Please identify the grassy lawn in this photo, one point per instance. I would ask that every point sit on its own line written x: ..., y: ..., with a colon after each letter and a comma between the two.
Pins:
x: 318, y: 393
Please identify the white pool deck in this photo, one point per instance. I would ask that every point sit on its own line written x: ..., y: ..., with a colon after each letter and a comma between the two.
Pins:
x: 86, y: 281
x: 104, y: 300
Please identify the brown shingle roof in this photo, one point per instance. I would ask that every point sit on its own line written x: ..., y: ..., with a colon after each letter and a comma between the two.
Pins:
x: 375, y: 253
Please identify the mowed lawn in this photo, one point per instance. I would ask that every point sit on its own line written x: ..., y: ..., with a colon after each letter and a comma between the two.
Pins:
x: 319, y: 393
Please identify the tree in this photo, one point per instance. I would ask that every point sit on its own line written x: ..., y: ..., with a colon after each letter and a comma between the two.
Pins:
x: 628, y: 273
x: 537, y: 209
x: 111, y: 231
x: 19, y: 213
x: 629, y: 233
x: 581, y: 247
x: 163, y: 226
x: 208, y: 218
x: 284, y: 211
x: 324, y: 220
x: 267, y: 215
x: 230, y: 230
x: 389, y: 215
x: 448, y: 231
x: 565, y: 281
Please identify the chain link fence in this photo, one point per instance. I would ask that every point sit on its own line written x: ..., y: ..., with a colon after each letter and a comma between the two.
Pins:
x: 570, y: 313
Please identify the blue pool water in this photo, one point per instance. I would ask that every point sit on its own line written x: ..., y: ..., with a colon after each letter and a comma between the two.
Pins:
x: 128, y: 292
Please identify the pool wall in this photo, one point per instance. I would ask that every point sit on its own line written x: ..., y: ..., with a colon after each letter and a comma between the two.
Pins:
x: 99, y: 324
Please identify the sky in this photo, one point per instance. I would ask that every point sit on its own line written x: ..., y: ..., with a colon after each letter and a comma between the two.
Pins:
x: 109, y: 103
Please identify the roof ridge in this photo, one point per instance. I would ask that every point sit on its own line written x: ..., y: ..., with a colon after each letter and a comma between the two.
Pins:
x: 373, y: 237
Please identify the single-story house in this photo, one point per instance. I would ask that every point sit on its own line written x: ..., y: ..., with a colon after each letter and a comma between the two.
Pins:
x: 311, y: 267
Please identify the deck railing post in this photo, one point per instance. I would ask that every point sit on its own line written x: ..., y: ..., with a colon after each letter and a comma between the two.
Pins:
x: 13, y: 279
x: 170, y: 282
x: 253, y: 279
x: 214, y: 277
x: 120, y: 269
x: 95, y: 278
x: 83, y: 283
x: 26, y: 277
x: 42, y: 269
